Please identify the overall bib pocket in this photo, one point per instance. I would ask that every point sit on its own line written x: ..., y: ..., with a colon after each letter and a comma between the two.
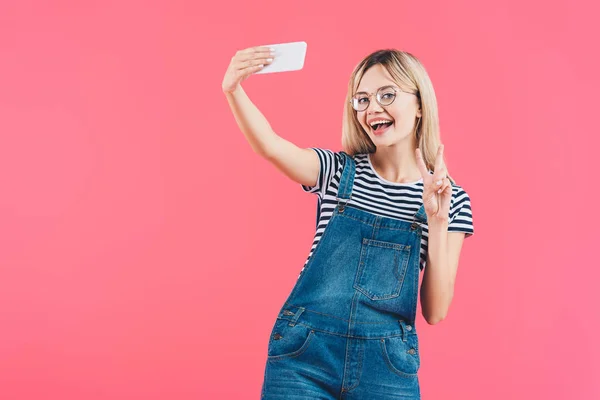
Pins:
x: 288, y: 341
x: 381, y: 269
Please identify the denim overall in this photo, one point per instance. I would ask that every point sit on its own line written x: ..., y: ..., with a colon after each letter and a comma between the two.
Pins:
x: 347, y: 329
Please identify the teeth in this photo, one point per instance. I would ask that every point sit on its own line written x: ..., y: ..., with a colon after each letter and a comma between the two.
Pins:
x: 379, y: 121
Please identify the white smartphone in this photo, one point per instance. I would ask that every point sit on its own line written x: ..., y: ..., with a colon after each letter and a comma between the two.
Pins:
x: 288, y: 57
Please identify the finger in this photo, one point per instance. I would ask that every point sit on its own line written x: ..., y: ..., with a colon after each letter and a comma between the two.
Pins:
x: 264, y: 49
x: 438, y: 179
x: 439, y: 158
x: 429, y: 198
x: 448, y: 190
x: 260, y: 57
x: 421, y: 164
x: 446, y: 185
x: 247, y: 71
x: 252, y: 56
x: 255, y: 52
x: 252, y: 70
x: 446, y: 198
x: 253, y: 63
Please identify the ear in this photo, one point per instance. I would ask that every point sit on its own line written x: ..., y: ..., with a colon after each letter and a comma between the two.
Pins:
x: 419, y: 113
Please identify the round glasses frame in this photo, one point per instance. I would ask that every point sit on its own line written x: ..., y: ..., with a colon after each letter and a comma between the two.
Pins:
x: 362, y: 107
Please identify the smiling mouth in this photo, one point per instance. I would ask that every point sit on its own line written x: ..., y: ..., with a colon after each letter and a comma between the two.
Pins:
x: 380, y: 128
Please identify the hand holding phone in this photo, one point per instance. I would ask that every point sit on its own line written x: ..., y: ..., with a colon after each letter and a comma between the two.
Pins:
x: 263, y: 60
x: 243, y: 64
x: 288, y: 57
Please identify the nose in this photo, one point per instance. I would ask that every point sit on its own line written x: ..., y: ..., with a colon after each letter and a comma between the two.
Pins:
x: 373, y: 106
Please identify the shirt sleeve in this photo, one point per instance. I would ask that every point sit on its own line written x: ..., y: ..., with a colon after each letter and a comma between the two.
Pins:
x: 461, y: 218
x: 329, y: 163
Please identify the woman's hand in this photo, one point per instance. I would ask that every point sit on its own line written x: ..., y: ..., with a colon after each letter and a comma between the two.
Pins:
x: 243, y: 64
x: 437, y: 189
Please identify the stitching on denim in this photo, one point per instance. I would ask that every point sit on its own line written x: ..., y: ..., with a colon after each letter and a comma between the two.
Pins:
x: 290, y: 305
x: 389, y: 363
x: 397, y: 248
x: 295, y: 353
x: 347, y: 335
x: 361, y: 355
x: 345, y: 361
x: 402, y: 229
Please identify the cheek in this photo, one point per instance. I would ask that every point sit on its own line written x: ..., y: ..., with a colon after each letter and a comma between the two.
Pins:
x: 401, y: 117
x: 363, y: 122
x: 398, y: 115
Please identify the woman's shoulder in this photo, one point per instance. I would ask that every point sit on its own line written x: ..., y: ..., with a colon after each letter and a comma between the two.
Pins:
x: 458, y: 189
x: 460, y: 198
x: 330, y: 157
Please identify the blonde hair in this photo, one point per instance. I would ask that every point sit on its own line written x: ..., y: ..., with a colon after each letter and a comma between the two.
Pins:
x: 410, y: 75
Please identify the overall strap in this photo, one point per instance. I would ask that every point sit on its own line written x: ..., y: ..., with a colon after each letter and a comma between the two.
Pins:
x: 421, y: 215
x: 346, y: 182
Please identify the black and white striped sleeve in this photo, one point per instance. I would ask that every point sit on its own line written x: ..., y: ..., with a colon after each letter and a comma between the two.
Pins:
x: 461, y: 218
x: 329, y: 163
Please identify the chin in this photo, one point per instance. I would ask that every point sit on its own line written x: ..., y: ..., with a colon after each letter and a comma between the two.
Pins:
x: 388, y: 140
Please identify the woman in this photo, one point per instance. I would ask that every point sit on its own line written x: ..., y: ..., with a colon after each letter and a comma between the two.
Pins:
x: 387, y: 209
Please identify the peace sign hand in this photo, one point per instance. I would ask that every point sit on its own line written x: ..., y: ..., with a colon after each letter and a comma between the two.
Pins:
x: 437, y: 189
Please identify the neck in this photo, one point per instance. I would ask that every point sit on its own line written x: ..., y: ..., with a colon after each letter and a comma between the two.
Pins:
x: 397, y: 163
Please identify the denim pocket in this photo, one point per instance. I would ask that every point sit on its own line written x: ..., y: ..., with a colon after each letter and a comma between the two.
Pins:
x: 381, y: 269
x: 402, y: 358
x: 288, y: 341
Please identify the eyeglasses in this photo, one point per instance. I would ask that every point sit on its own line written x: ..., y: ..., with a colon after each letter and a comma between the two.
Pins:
x: 385, y: 96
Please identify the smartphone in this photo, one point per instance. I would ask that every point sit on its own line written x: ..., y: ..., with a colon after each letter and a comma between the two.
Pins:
x: 288, y: 57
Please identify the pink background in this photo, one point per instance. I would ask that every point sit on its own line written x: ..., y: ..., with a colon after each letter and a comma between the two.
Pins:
x: 145, y: 250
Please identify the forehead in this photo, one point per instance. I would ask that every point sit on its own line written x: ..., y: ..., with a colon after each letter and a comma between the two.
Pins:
x: 375, y: 77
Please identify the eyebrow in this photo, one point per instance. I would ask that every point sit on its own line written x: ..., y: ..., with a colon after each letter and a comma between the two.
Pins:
x: 390, y: 85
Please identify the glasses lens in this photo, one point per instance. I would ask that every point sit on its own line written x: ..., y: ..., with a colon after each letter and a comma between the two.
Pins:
x: 360, y: 102
x: 386, y: 96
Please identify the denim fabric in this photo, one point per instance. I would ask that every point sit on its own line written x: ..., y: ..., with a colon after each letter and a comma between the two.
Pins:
x: 347, y: 329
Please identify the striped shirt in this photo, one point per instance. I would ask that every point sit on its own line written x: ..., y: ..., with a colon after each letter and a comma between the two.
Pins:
x: 373, y: 194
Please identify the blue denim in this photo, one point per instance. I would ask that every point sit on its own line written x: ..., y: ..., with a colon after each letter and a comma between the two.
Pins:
x: 347, y: 329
